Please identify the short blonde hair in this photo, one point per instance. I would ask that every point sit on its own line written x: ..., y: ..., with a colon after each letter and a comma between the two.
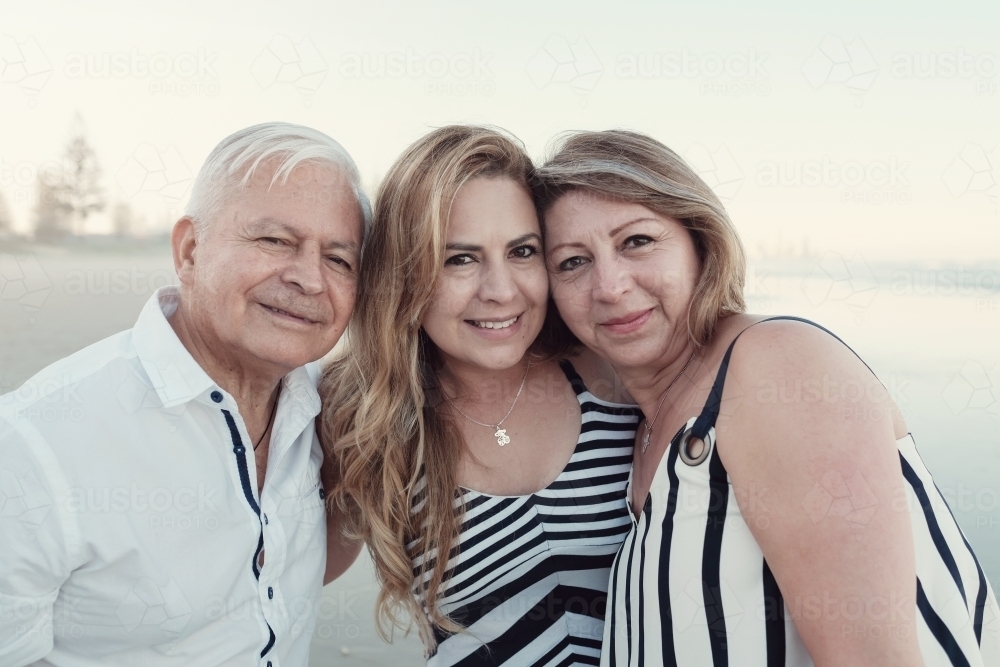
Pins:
x: 632, y: 167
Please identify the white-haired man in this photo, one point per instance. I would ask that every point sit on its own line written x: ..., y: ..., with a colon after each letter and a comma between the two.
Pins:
x: 163, y: 503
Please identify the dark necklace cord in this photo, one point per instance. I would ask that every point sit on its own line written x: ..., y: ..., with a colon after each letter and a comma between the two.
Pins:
x: 270, y: 420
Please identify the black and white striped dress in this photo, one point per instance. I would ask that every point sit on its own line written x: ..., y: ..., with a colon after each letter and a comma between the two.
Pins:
x: 690, y: 586
x: 529, y: 580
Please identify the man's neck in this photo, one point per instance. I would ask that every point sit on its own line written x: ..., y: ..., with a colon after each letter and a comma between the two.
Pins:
x: 252, y: 385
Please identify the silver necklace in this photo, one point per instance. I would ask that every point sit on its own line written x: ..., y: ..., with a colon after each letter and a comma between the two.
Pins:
x: 649, y: 424
x: 501, y: 433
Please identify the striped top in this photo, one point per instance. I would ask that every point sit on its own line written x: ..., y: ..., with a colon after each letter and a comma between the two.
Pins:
x: 529, y: 576
x: 690, y: 585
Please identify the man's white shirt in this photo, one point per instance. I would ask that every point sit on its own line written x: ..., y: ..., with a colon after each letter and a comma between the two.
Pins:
x: 131, y: 527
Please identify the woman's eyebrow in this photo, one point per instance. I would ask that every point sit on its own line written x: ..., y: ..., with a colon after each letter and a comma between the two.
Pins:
x: 521, y: 240
x: 613, y: 232
x: 622, y: 226
x: 467, y: 247
x: 573, y: 244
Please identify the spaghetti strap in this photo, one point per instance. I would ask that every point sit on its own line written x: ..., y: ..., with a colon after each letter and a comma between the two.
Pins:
x: 692, y: 567
x: 574, y: 378
x: 706, y: 420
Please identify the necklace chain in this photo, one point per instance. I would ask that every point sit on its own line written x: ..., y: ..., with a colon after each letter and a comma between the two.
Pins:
x: 649, y: 424
x: 501, y: 433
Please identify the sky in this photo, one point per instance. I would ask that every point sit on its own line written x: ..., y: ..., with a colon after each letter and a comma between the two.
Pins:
x: 848, y: 128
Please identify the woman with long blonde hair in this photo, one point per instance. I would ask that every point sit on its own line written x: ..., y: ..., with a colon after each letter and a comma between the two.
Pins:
x: 478, y: 453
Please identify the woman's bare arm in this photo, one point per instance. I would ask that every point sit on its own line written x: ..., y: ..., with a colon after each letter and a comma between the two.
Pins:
x: 341, y: 552
x: 807, y: 435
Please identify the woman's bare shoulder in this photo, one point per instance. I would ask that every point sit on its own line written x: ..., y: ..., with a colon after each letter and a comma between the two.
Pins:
x: 790, y: 345
x: 790, y: 363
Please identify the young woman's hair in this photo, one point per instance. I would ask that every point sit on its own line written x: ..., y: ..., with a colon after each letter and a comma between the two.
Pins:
x: 391, y: 452
x: 632, y: 167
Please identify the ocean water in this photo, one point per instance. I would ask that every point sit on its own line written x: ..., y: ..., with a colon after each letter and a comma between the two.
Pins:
x: 931, y: 332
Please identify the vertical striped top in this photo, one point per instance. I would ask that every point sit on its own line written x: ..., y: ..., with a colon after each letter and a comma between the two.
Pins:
x: 690, y: 586
x: 528, y: 578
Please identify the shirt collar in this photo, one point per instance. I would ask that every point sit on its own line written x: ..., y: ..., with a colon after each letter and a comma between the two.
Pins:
x: 175, y: 374
x: 172, y: 370
x: 300, y: 386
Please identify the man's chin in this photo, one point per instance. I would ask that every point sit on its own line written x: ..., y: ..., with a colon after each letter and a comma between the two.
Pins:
x: 288, y: 351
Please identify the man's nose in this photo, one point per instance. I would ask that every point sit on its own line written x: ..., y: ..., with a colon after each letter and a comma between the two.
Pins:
x: 305, y: 270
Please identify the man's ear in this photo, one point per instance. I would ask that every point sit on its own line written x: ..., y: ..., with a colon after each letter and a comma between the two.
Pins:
x: 183, y: 244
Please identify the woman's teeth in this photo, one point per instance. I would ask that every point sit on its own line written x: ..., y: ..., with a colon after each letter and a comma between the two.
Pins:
x: 495, y: 325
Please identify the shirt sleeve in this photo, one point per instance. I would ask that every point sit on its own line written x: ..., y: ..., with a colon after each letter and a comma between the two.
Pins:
x: 34, y: 550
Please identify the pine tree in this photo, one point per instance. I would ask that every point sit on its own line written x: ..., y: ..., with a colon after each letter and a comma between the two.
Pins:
x: 79, y: 188
x: 52, y: 216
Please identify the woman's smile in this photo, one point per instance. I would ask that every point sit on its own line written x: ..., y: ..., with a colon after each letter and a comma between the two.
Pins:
x: 496, y: 328
x: 629, y: 323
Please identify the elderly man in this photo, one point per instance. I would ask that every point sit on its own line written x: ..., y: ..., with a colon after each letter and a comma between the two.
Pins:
x: 163, y: 499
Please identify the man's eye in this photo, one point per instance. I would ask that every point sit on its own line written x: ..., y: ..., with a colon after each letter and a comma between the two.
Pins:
x: 340, y: 261
x: 270, y: 240
x: 524, y: 251
x: 459, y: 260
x: 571, y: 263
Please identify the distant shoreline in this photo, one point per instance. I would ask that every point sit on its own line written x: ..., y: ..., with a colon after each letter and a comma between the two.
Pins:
x: 91, y: 244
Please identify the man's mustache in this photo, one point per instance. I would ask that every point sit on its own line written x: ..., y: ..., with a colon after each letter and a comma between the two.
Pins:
x: 295, y: 306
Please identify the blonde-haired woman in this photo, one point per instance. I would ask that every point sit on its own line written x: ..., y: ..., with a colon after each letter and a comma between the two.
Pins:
x: 782, y: 515
x: 456, y: 424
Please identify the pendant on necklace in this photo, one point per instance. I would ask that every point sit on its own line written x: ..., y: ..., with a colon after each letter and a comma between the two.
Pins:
x: 501, y: 436
x: 645, y: 441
